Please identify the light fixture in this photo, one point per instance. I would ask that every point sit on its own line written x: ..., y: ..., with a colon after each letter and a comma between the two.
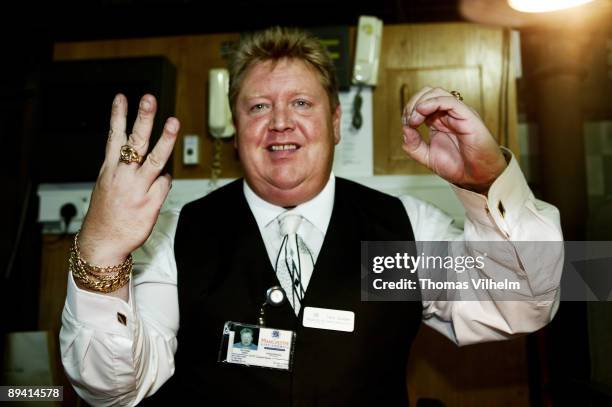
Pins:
x: 542, y: 6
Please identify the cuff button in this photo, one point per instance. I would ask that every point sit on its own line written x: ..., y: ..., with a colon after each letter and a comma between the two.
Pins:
x: 501, y: 209
x: 121, y: 318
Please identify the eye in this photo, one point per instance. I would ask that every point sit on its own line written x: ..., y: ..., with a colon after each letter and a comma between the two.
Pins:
x: 258, y: 107
x: 302, y: 104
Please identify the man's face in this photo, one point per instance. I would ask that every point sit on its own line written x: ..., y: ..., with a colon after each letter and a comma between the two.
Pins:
x: 246, y: 338
x: 286, y: 131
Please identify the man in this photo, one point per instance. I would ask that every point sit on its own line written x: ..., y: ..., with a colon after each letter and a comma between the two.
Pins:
x: 240, y: 240
x: 246, y: 340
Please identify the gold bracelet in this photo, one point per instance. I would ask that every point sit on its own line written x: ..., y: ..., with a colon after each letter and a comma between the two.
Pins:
x: 81, y: 264
x: 101, y: 279
x: 89, y: 282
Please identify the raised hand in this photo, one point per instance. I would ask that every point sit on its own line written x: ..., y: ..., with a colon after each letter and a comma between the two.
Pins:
x: 127, y: 197
x: 461, y: 149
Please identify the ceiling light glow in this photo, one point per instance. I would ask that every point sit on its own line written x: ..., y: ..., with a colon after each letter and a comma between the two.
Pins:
x: 542, y: 6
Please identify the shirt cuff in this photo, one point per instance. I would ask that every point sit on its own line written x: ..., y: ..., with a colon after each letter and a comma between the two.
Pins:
x: 100, y: 312
x: 505, y: 199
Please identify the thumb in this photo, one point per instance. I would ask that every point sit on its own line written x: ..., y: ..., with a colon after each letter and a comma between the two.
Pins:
x: 415, y: 146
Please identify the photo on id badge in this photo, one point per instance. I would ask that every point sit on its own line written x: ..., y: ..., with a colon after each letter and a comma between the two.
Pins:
x: 247, y: 338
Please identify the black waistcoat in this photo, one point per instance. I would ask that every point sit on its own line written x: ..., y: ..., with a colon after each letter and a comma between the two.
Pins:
x: 223, y: 274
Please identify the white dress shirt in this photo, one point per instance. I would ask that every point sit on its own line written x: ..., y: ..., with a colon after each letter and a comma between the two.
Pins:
x: 112, y: 363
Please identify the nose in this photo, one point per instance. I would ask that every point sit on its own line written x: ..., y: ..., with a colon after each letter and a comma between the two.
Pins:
x: 281, y: 120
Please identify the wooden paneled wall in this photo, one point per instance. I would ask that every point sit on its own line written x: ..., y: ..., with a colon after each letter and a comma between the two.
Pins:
x: 465, y: 57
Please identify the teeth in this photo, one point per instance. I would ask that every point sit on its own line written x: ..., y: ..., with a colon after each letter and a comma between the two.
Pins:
x: 284, y: 147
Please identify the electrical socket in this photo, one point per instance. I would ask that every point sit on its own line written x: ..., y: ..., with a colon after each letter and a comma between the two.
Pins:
x: 191, y: 149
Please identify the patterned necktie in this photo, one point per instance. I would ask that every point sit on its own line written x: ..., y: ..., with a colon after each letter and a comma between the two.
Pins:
x: 294, y: 262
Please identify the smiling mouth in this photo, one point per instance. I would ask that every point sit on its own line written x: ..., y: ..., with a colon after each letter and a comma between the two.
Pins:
x: 283, y: 147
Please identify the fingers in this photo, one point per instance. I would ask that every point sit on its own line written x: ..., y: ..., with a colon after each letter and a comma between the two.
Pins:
x: 116, y: 134
x: 141, y: 132
x: 448, y: 104
x: 438, y: 100
x: 159, y: 189
x: 410, y: 105
x: 415, y: 146
x: 423, y: 107
x: 159, y: 155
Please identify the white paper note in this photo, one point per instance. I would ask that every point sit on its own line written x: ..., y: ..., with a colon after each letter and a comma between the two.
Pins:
x: 354, y: 153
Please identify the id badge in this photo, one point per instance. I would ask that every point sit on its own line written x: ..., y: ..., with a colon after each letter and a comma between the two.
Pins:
x: 257, y: 346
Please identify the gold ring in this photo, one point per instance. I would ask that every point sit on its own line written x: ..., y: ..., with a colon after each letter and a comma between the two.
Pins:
x: 457, y: 95
x: 130, y: 155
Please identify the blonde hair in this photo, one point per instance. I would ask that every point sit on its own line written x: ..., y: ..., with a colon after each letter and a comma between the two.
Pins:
x: 274, y: 44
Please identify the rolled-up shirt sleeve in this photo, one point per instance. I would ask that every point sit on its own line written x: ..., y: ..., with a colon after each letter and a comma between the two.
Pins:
x: 117, y: 353
x: 508, y: 214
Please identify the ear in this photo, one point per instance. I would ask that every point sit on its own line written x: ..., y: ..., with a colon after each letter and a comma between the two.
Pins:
x: 336, y: 121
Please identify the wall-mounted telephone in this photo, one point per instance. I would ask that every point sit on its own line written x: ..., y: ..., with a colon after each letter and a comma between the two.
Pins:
x: 367, y: 54
x: 220, y: 123
x: 219, y: 113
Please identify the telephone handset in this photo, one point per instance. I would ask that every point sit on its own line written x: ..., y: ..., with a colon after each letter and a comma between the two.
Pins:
x: 367, y: 57
x: 219, y: 113
x: 220, y: 125
x: 367, y: 54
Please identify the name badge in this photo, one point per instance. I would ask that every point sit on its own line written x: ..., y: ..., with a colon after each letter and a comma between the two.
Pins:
x: 331, y: 319
x: 256, y: 345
